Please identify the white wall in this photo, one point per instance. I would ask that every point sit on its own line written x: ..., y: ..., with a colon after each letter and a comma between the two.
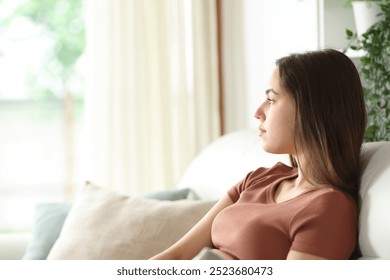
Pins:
x: 271, y: 29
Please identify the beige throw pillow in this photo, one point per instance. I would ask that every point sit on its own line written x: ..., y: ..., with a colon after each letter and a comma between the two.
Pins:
x: 105, y: 225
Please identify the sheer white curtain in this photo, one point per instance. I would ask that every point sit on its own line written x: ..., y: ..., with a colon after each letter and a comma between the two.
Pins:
x: 152, y: 94
x: 235, y: 72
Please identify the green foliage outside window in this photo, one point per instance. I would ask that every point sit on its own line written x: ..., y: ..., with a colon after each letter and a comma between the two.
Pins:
x: 62, y: 22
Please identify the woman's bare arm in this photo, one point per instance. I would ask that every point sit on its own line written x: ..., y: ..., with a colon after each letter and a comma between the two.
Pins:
x: 197, y: 238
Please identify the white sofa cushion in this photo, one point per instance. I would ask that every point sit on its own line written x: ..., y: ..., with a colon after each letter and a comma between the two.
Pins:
x: 374, y: 228
x: 13, y: 245
x: 107, y: 226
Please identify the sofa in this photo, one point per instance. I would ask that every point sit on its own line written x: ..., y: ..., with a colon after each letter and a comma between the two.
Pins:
x: 220, y: 165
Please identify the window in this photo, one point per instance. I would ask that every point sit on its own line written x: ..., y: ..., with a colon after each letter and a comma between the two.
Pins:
x: 41, y: 104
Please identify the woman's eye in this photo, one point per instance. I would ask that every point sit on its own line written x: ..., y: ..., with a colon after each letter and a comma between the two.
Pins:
x: 270, y: 101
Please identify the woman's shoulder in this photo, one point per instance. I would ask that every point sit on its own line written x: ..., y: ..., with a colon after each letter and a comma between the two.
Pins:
x: 261, y: 178
x: 267, y: 176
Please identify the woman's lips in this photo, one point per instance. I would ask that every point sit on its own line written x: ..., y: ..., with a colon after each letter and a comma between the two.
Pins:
x: 262, y: 130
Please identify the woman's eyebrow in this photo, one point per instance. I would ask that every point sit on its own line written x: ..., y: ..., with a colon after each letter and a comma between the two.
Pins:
x: 271, y: 90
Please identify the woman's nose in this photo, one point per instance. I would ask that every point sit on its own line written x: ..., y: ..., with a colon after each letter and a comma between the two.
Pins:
x: 259, y: 114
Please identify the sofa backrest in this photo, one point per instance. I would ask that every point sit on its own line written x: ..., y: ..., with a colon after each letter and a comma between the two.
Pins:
x: 374, y: 226
x: 226, y: 161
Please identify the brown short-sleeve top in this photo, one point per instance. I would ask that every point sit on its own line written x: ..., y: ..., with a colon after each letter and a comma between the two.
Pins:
x: 320, y: 222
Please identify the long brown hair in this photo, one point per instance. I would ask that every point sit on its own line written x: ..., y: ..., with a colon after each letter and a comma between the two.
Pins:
x: 330, y: 118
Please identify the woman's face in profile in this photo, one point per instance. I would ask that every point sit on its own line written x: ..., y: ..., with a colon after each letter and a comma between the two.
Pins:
x: 277, y: 118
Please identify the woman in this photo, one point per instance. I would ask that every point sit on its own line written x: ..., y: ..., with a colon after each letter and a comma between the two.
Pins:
x: 313, y: 110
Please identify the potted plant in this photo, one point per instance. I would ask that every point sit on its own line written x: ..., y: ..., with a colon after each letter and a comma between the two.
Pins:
x: 375, y: 72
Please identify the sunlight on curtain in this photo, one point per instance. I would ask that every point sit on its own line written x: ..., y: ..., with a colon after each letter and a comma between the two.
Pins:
x: 152, y: 94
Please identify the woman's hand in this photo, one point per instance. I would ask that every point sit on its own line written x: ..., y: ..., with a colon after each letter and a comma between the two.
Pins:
x: 295, y: 255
